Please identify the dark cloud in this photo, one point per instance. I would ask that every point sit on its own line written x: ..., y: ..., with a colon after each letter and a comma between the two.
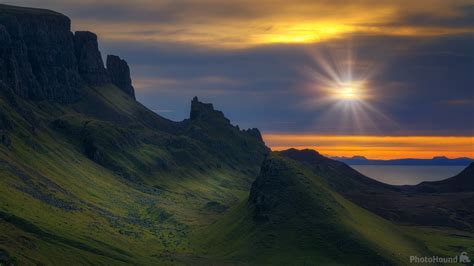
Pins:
x: 463, y: 18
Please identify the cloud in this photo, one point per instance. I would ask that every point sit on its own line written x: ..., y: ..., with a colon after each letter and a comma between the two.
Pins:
x: 157, y: 83
x: 242, y: 24
x: 459, y: 102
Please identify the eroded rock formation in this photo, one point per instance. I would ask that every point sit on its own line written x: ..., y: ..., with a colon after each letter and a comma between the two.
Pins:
x: 119, y: 74
x: 37, y: 54
x: 41, y: 59
x: 89, y: 60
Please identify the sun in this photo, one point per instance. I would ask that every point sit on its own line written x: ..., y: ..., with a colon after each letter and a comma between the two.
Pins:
x: 349, y: 91
x: 343, y: 92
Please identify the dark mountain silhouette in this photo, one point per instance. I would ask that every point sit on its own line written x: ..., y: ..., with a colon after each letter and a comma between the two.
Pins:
x: 439, y: 160
x: 463, y: 182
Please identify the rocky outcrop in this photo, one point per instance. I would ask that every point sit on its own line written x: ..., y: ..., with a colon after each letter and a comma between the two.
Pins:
x: 37, y: 54
x: 269, y: 190
x: 205, y: 112
x: 254, y: 132
x: 41, y: 59
x: 89, y: 60
x: 119, y: 74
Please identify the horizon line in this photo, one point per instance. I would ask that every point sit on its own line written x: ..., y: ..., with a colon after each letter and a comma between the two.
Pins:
x: 374, y: 159
x: 376, y: 147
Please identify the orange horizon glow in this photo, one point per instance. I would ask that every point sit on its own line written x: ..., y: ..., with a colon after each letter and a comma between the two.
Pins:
x: 376, y: 147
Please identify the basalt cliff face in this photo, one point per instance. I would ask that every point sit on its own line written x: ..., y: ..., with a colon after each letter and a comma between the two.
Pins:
x: 41, y: 59
x: 89, y: 60
x: 119, y: 74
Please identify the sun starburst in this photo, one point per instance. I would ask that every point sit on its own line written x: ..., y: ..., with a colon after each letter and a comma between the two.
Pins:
x: 342, y: 92
x: 349, y: 91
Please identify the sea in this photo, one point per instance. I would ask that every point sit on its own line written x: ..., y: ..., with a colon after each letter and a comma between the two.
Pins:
x: 408, y: 174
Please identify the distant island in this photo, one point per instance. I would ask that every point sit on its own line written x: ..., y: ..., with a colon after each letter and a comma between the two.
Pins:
x: 438, y: 160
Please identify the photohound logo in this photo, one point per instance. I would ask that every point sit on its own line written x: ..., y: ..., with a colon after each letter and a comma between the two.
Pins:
x: 462, y: 258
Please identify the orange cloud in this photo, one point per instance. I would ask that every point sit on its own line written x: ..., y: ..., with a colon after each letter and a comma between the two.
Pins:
x: 241, y: 24
x: 377, y: 147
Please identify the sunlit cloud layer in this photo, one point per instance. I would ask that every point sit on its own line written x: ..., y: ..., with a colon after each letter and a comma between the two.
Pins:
x: 240, y: 24
x: 277, y: 22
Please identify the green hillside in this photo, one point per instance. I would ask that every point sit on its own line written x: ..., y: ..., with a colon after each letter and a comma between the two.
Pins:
x: 294, y: 218
x: 106, y: 185
x: 446, y: 203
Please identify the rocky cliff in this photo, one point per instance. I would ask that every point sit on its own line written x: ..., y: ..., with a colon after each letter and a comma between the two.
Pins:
x: 37, y: 54
x: 89, y: 60
x: 41, y: 59
x: 119, y: 74
x: 205, y: 112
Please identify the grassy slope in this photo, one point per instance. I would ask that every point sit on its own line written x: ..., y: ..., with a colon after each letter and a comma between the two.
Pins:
x: 443, y: 242
x: 56, y: 201
x: 324, y: 228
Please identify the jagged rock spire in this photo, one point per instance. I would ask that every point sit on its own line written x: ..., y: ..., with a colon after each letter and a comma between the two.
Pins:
x: 119, y: 74
x: 205, y: 112
x: 89, y: 60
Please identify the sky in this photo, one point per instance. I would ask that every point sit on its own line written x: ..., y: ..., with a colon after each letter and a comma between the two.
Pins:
x: 381, y: 79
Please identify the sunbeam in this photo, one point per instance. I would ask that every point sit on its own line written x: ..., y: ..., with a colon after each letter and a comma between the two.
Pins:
x: 341, y: 90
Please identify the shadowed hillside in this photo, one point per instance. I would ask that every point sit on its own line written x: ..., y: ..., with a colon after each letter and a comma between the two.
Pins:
x: 300, y: 212
x: 463, y: 182
x: 91, y: 184
x: 293, y: 216
x: 447, y: 203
